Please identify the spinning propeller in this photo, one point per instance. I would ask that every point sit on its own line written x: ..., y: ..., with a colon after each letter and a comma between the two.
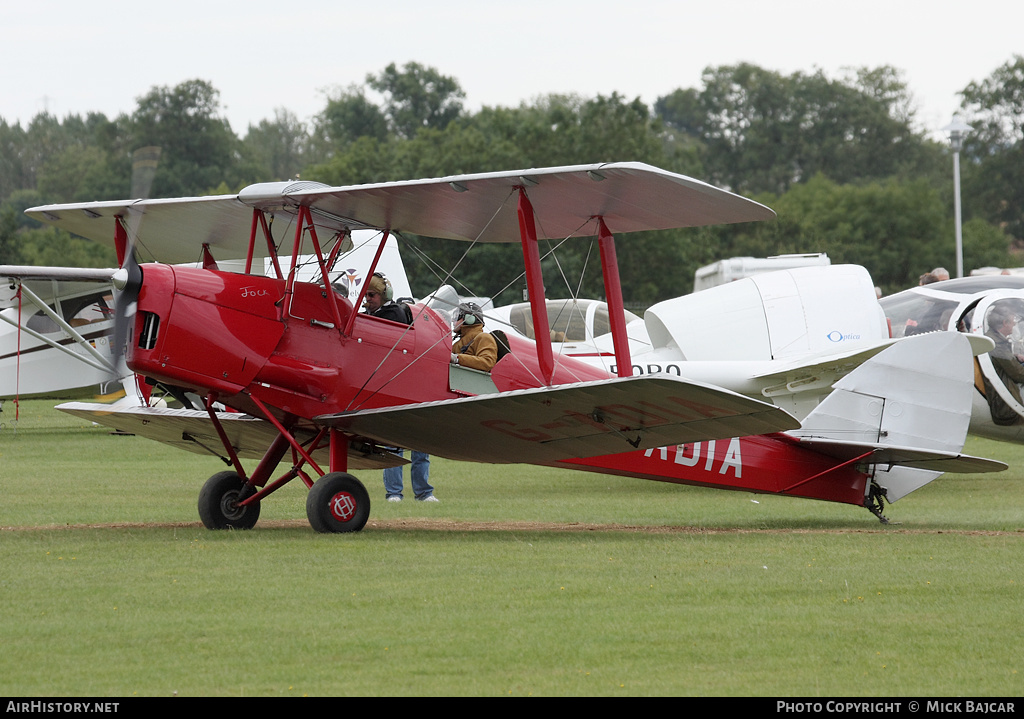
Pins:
x: 127, y: 283
x: 128, y: 279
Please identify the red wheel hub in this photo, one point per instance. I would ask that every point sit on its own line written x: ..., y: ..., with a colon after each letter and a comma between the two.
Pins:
x: 343, y: 506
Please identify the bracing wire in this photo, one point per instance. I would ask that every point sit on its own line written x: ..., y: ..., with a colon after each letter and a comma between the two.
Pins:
x: 388, y: 354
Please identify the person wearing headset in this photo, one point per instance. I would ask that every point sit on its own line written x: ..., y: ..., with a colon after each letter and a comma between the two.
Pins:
x: 473, y: 348
x: 379, y: 300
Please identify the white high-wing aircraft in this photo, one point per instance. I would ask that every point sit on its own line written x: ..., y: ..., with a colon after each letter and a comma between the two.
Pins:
x: 55, y: 336
x: 58, y: 335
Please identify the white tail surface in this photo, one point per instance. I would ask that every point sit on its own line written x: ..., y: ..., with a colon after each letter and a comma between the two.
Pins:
x: 915, y: 394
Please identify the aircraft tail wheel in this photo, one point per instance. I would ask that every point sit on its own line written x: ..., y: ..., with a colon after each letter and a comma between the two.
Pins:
x: 338, y: 502
x: 218, y: 503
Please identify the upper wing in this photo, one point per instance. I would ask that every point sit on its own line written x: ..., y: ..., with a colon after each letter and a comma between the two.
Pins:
x: 192, y: 430
x: 578, y: 420
x: 479, y: 207
x: 483, y: 207
x: 171, y: 231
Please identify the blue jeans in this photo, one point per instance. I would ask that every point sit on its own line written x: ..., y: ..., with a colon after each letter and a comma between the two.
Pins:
x: 420, y: 475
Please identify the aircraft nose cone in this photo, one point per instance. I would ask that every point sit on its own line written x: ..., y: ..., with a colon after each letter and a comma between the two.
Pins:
x: 120, y: 278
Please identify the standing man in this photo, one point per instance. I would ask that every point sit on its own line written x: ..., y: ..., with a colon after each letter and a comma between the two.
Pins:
x: 419, y: 474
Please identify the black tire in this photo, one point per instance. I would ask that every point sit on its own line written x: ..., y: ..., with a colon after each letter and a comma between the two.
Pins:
x: 338, y: 502
x: 218, y: 503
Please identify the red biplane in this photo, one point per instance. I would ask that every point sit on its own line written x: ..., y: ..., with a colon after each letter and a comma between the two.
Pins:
x: 305, y: 374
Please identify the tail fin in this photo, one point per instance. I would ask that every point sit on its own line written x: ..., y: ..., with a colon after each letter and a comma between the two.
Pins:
x: 909, y: 407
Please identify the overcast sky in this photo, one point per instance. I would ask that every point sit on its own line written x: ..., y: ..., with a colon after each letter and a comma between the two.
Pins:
x: 68, y: 57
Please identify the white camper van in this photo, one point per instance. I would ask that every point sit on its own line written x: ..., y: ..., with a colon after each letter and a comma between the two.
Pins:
x: 736, y: 268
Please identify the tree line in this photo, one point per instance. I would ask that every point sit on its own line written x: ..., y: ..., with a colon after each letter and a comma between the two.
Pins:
x: 841, y: 160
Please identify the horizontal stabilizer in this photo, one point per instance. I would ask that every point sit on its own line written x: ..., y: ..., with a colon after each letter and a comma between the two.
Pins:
x: 192, y: 430
x: 933, y: 460
x: 586, y: 419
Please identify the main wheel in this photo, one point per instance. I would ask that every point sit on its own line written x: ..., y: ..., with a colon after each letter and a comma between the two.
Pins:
x: 338, y: 502
x: 218, y: 503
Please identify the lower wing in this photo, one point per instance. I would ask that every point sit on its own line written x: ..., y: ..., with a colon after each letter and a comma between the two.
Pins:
x: 193, y: 431
x: 567, y: 421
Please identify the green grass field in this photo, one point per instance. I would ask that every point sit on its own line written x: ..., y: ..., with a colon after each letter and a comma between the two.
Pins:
x: 522, y: 581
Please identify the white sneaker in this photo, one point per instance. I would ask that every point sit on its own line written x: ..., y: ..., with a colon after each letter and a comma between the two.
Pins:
x: 394, y: 498
x: 430, y: 498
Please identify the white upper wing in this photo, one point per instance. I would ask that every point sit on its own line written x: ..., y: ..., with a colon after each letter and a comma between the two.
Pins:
x: 482, y: 207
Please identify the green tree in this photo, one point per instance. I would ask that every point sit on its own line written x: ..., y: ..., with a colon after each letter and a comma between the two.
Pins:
x: 896, y: 229
x: 556, y: 130
x: 761, y: 131
x: 199, y: 150
x: 985, y: 245
x: 416, y: 97
x: 993, y: 168
x: 83, y: 173
x: 51, y: 246
x: 10, y: 252
x: 79, y: 158
x: 12, y: 161
x: 279, y: 146
x: 364, y: 161
x: 348, y: 116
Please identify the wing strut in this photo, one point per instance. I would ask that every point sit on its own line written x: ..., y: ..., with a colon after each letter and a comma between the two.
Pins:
x: 260, y: 219
x: 232, y: 454
x: 535, y: 287
x: 332, y: 299
x: 365, y: 286
x: 613, y: 296
x: 288, y: 436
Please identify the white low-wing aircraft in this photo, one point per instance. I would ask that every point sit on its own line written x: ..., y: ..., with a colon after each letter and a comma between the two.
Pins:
x: 986, y: 306
x: 307, y: 374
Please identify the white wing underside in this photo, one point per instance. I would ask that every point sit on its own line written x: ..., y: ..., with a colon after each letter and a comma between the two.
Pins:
x: 193, y: 431
x: 579, y: 420
x: 481, y: 207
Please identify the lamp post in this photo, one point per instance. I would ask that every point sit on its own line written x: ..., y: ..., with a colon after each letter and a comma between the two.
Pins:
x: 957, y: 130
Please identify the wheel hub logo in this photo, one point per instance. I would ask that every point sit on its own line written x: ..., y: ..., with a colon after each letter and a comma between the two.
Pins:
x: 343, y: 506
